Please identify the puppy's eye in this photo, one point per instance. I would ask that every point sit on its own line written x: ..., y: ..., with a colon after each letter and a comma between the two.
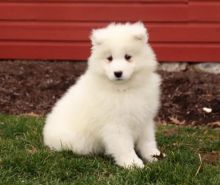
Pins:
x: 110, y: 58
x: 127, y: 57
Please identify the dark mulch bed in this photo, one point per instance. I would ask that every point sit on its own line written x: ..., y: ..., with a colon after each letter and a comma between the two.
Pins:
x: 33, y: 88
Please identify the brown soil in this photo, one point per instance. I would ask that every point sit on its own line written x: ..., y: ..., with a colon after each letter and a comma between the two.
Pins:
x: 170, y: 132
x: 185, y: 94
x: 33, y: 88
x: 210, y: 158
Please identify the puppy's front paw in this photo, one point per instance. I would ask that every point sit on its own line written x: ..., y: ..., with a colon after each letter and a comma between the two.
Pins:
x: 153, y: 155
x: 129, y: 163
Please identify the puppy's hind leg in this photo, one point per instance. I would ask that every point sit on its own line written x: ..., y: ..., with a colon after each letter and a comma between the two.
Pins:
x: 120, y: 145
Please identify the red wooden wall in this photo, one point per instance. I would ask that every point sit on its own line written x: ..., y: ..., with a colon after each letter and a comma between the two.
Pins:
x: 180, y: 30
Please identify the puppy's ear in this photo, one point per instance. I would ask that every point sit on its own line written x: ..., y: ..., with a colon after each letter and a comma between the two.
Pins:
x: 140, y: 32
x: 96, y: 38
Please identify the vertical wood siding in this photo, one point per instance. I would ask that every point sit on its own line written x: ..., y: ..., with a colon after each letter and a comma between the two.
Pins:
x: 180, y: 30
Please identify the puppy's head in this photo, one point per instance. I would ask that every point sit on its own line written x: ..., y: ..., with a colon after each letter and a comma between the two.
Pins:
x: 120, y: 50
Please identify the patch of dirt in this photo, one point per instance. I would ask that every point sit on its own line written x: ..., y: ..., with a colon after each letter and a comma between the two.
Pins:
x: 210, y: 158
x: 185, y: 94
x: 170, y: 132
x: 32, y: 88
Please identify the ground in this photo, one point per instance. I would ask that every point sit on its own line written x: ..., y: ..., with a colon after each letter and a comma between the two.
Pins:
x: 33, y: 88
x: 192, y: 158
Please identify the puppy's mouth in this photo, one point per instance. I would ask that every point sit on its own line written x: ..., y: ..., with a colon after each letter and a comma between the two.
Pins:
x: 119, y: 79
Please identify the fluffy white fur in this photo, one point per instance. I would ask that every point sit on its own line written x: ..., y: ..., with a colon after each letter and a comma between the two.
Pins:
x: 103, y: 113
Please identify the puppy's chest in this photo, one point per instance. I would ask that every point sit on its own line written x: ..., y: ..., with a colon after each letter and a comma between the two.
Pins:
x: 127, y: 106
x: 133, y: 108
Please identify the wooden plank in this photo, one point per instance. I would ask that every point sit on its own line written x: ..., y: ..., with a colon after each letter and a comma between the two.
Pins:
x: 44, y: 51
x: 46, y: 31
x: 204, y: 11
x: 188, y: 52
x: 204, y: 1
x: 93, y: 12
x: 80, y: 31
x: 191, y: 33
x: 80, y: 51
x: 103, y: 1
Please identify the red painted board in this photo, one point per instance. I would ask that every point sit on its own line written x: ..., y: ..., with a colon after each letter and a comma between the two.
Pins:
x: 93, y: 12
x: 204, y: 11
x: 80, y: 51
x: 105, y: 1
x: 56, y: 31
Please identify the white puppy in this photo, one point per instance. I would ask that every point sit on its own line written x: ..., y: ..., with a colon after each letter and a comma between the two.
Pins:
x: 112, y: 106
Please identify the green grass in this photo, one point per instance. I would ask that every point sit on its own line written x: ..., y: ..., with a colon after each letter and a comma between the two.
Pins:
x: 24, y: 159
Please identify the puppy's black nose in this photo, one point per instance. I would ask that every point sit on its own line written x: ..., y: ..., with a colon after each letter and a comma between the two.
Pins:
x: 118, y: 74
